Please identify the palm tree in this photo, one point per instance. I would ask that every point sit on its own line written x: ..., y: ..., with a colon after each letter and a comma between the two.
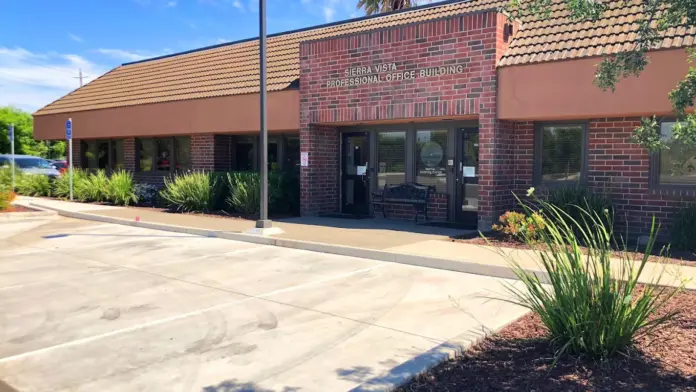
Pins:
x: 378, y: 6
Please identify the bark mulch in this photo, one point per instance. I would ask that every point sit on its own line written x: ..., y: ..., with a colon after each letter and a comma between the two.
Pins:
x: 519, y: 358
x: 14, y: 208
x: 675, y: 256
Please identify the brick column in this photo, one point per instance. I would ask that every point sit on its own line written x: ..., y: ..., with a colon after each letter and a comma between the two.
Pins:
x: 203, y: 152
x: 129, y: 154
x: 319, y: 181
x: 223, y: 158
x: 76, y: 153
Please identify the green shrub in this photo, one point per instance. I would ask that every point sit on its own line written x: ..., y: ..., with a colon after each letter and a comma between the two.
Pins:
x: 121, y: 188
x: 521, y: 227
x: 683, y: 233
x: 81, y: 185
x: 98, y: 186
x: 195, y: 191
x: 568, y: 199
x: 588, y: 308
x: 61, y: 186
x: 34, y: 185
x: 6, y: 176
x: 245, y: 192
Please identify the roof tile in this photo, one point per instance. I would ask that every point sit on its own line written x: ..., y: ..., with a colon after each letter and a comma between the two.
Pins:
x: 233, y: 68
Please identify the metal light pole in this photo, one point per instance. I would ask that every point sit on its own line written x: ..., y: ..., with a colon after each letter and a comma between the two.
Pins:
x: 12, y: 156
x: 263, y: 221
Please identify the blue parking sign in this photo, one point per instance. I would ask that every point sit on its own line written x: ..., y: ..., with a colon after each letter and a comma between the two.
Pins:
x: 68, y: 129
x: 11, y: 131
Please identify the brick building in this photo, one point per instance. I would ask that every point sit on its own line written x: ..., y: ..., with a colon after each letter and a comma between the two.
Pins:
x: 454, y: 95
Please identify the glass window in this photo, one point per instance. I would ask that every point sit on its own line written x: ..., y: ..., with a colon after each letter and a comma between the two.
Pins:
x: 561, y: 155
x: 164, y: 154
x: 273, y: 156
x: 292, y: 154
x: 90, y: 155
x: 103, y: 154
x: 32, y: 163
x: 183, y: 153
x: 118, y: 160
x: 146, y: 154
x: 244, y: 156
x: 431, y: 162
x: 391, y: 158
x: 678, y: 161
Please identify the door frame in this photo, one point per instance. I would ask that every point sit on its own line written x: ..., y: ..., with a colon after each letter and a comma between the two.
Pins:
x: 410, y: 128
x: 368, y: 137
x: 458, y: 174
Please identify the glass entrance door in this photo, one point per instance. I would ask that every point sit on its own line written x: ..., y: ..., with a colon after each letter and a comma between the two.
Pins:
x: 467, y: 175
x: 355, y: 175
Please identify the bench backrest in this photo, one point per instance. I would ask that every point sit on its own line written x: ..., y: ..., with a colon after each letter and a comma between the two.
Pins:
x: 408, y: 191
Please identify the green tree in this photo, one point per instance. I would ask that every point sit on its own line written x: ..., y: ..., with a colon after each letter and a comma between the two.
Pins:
x: 657, y: 17
x: 378, y: 6
x: 24, y: 135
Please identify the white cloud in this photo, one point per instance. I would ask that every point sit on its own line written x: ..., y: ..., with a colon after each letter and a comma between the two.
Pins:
x: 75, y: 37
x: 32, y: 80
x: 128, y: 56
x: 329, y: 13
x: 238, y: 5
x: 171, y: 4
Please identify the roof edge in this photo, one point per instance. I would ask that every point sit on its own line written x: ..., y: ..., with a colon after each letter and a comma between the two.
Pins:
x: 338, y: 23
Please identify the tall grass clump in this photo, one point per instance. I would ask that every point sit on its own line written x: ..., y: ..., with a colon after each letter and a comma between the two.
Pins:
x: 567, y: 199
x: 121, y: 189
x: 98, y: 186
x: 683, y: 233
x: 34, y: 185
x: 81, y: 185
x: 195, y: 191
x: 6, y: 197
x: 245, y: 192
x: 6, y: 176
x: 589, y: 307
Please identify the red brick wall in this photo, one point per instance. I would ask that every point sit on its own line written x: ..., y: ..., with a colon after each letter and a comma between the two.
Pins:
x: 617, y: 166
x: 223, y: 157
x: 471, y: 42
x: 319, y: 181
x: 76, y: 153
x: 203, y: 152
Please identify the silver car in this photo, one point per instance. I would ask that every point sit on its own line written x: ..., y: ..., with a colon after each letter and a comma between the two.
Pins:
x: 28, y: 164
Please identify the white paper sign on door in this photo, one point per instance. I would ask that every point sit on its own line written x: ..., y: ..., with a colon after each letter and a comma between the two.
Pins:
x: 469, y: 171
x: 362, y: 170
x: 304, y: 159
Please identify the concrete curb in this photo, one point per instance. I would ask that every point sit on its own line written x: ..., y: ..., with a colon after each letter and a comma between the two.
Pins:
x: 372, y: 254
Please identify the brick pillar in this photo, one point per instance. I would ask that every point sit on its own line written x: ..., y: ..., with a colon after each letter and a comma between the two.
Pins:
x: 223, y: 159
x: 319, y: 181
x: 129, y: 154
x: 76, y: 153
x: 203, y: 152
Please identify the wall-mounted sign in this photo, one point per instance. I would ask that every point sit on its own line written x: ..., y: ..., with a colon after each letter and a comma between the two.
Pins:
x: 304, y: 159
x: 388, y: 72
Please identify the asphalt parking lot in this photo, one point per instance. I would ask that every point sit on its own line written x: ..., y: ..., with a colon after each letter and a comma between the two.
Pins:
x: 99, y: 307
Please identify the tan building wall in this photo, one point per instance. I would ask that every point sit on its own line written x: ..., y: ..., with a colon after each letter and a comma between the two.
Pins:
x: 236, y: 114
x: 565, y: 89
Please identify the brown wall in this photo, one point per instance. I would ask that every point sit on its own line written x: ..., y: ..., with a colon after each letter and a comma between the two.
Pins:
x: 564, y: 90
x: 230, y: 114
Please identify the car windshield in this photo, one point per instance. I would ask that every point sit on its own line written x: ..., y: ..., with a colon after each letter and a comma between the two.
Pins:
x: 32, y: 163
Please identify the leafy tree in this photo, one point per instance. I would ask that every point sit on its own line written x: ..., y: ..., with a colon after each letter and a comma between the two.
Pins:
x: 24, y: 135
x: 657, y: 17
x: 378, y: 6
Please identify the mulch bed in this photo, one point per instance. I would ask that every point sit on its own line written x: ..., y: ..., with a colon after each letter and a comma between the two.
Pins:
x: 495, y: 239
x: 518, y: 358
x: 14, y: 208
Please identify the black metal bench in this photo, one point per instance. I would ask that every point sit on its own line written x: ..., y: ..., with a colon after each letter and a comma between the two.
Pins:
x: 413, y: 194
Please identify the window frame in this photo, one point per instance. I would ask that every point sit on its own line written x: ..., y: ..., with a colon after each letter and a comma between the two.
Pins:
x: 654, y: 163
x: 538, y: 154
x: 111, y: 159
x: 172, y: 164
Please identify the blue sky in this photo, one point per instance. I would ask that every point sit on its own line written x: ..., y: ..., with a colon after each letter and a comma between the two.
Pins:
x: 43, y: 43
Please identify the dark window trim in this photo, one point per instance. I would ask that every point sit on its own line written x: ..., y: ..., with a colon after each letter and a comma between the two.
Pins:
x: 111, y: 158
x: 172, y: 147
x: 654, y: 164
x: 584, y: 153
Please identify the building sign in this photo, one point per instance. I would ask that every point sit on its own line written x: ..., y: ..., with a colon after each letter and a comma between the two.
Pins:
x: 304, y: 159
x: 388, y: 72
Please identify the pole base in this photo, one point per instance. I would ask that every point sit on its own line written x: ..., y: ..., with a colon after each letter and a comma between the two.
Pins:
x: 264, y: 224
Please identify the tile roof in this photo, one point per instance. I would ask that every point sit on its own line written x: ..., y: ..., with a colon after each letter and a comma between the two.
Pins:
x: 232, y: 69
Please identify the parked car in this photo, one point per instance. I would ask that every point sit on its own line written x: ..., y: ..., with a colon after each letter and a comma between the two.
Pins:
x: 60, y: 165
x: 28, y: 164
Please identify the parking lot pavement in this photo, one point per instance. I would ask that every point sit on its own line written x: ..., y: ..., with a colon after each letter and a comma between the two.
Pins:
x: 99, y: 307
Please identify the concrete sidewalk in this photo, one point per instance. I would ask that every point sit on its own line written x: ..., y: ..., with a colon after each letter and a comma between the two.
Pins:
x: 377, y: 239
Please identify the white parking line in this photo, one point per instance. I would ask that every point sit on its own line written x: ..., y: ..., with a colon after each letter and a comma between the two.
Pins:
x: 183, y: 315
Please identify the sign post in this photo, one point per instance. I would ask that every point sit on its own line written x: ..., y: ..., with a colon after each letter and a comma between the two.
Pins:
x: 68, y: 136
x: 12, y: 155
